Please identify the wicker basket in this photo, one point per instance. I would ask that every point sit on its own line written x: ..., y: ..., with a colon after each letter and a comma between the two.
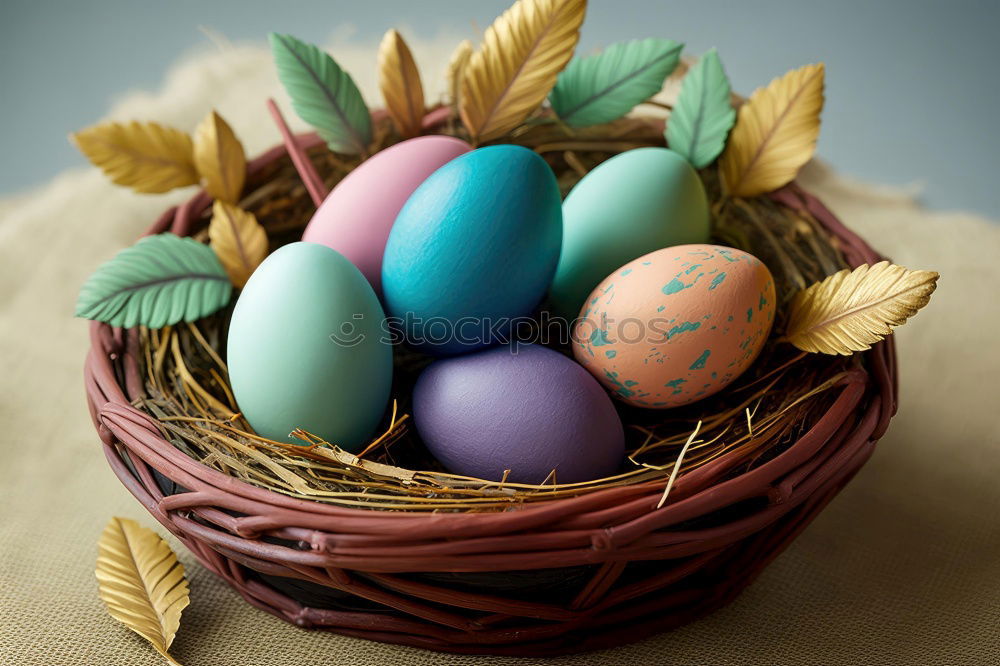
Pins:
x: 552, y: 577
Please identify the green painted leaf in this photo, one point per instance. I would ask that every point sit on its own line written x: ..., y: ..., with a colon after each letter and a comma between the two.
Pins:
x: 159, y: 281
x: 604, y: 87
x: 701, y: 119
x: 324, y: 95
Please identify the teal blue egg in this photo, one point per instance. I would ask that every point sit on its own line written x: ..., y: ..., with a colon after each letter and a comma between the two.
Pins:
x: 474, y: 246
x: 306, y: 348
x: 636, y: 202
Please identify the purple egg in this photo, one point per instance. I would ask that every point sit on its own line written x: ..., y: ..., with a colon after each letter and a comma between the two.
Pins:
x: 529, y: 412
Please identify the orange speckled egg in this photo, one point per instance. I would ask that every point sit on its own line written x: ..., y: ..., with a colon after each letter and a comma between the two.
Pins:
x: 676, y: 325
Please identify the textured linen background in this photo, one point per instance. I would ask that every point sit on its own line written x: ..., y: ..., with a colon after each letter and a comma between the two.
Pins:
x: 903, y: 568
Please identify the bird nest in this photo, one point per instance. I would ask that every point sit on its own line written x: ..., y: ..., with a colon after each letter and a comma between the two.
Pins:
x: 180, y: 377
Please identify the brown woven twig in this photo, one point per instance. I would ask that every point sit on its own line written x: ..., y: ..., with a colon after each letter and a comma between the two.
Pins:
x: 464, y: 565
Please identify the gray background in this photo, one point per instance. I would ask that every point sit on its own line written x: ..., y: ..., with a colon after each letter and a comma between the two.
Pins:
x: 912, y: 89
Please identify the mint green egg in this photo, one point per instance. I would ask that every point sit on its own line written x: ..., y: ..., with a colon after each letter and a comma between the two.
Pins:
x: 636, y: 202
x: 306, y: 348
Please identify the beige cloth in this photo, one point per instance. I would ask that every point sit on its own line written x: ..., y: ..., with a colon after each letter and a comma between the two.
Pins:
x: 903, y: 568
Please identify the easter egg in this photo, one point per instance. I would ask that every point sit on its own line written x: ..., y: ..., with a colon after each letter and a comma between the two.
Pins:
x: 676, y: 325
x: 306, y: 349
x: 355, y: 218
x: 636, y: 202
x: 528, y: 412
x: 475, y: 246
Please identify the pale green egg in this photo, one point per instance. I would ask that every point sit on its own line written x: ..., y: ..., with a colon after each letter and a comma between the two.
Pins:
x: 306, y: 348
x: 636, y: 202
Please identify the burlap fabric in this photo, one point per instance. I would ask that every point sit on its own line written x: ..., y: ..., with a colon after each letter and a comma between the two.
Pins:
x: 902, y: 568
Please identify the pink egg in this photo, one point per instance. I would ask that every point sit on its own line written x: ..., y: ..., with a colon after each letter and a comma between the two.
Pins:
x: 676, y: 325
x: 356, y: 217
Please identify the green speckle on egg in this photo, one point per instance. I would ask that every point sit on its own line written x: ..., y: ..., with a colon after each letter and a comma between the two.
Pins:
x: 599, y: 338
x: 619, y: 388
x: 683, y: 328
x: 699, y: 363
x: 673, y: 287
x: 675, y: 384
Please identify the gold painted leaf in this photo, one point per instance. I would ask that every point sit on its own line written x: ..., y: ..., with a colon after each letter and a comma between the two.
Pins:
x: 147, y: 157
x: 851, y: 310
x: 141, y: 582
x: 775, y: 134
x: 517, y: 64
x: 219, y: 158
x: 400, y: 83
x: 238, y: 239
x: 456, y: 66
